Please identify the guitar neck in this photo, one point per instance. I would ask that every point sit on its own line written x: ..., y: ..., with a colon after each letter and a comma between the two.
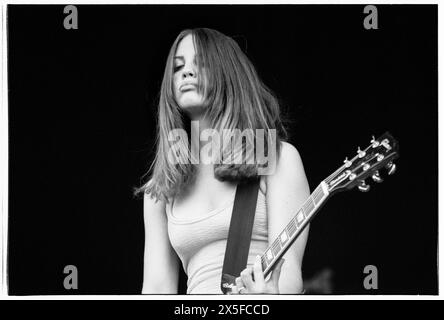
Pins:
x: 296, y: 225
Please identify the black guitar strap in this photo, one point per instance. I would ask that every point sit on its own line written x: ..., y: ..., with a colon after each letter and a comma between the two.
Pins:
x: 239, y: 234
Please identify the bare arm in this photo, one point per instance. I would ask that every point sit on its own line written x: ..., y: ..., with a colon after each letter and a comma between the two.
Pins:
x: 161, y: 264
x: 287, y: 189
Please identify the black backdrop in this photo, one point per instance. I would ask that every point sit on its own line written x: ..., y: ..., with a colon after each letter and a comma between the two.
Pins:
x: 82, y: 127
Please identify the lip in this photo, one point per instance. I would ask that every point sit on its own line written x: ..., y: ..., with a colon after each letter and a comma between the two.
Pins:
x: 187, y: 86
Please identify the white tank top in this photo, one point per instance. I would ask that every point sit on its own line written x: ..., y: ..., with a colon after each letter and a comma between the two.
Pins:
x: 200, y: 243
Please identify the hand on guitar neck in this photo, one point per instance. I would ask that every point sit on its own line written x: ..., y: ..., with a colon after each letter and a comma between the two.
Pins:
x: 252, y: 280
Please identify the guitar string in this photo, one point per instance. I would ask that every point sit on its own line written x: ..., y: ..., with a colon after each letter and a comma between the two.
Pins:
x: 331, y: 177
x: 316, y: 193
x: 317, y: 190
x: 343, y: 166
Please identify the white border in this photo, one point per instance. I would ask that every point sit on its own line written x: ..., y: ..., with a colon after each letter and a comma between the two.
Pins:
x: 3, y: 159
x: 4, y: 171
x: 440, y: 148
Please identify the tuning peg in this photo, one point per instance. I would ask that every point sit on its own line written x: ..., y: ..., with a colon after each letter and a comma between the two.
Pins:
x: 361, y: 153
x: 363, y: 186
x: 391, y: 168
x: 352, y: 176
x: 376, y: 177
x: 347, y: 162
x: 386, y: 144
x: 374, y: 142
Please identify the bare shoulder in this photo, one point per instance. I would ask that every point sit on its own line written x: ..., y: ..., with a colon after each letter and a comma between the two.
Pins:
x: 289, y: 154
x: 289, y: 162
x: 153, y: 206
x: 289, y: 167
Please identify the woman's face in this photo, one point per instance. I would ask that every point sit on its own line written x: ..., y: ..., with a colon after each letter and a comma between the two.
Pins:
x: 185, y: 78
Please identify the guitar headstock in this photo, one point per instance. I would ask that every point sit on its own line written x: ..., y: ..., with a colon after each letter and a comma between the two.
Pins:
x: 379, y: 154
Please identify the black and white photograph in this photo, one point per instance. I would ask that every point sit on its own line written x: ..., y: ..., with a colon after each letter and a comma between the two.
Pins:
x: 220, y: 149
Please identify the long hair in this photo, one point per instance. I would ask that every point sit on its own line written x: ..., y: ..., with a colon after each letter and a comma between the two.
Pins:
x: 235, y: 98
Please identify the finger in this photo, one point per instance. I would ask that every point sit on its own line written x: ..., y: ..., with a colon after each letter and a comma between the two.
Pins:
x: 277, y: 271
x: 246, y: 278
x: 258, y: 272
x: 241, y: 288
x: 234, y: 290
x: 239, y: 283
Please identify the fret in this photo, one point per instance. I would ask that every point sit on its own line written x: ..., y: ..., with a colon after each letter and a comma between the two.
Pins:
x: 318, y: 195
x: 276, y: 247
x: 300, y: 217
x: 269, y: 255
x: 283, y: 237
x: 264, y: 262
x: 291, y: 227
x: 308, y: 206
x: 289, y: 232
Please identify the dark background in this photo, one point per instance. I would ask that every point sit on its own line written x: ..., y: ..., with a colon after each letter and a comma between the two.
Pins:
x: 82, y: 107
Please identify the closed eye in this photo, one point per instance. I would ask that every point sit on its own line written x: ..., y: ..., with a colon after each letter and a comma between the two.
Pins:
x: 177, y: 68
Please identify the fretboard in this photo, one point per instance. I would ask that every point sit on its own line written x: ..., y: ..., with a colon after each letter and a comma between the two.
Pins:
x: 294, y: 228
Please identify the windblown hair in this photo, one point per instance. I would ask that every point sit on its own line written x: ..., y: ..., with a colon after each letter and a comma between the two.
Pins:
x: 235, y: 98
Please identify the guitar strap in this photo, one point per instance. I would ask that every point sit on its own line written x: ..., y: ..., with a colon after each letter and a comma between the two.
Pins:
x: 239, y: 234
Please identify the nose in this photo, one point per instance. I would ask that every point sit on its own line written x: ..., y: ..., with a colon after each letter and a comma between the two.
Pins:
x: 188, y: 72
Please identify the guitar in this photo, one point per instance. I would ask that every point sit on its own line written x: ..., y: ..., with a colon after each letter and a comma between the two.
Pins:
x: 379, y: 154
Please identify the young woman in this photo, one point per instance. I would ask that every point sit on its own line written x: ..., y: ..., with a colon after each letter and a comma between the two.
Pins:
x: 209, y: 81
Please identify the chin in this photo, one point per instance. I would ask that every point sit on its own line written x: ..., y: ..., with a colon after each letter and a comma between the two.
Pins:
x: 193, y: 110
x: 191, y: 103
